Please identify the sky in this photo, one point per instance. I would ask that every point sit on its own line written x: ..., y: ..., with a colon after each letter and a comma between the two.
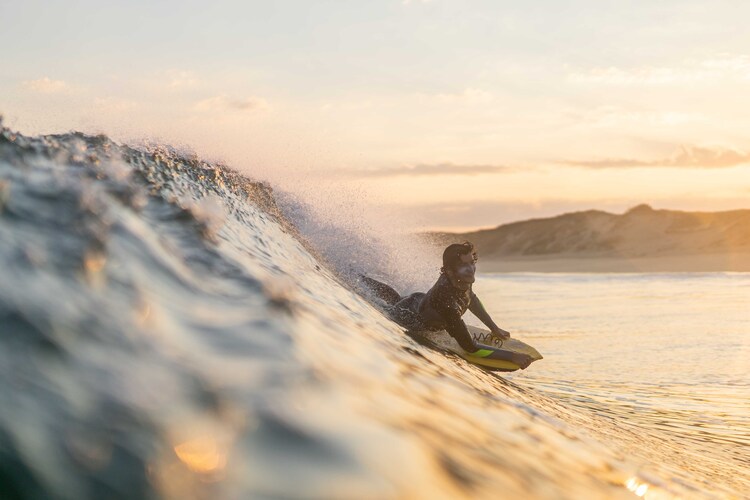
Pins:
x: 461, y: 114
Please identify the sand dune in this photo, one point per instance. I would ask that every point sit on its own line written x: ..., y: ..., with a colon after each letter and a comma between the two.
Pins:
x: 641, y: 239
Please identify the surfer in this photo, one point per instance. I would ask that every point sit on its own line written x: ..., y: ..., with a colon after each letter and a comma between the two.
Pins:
x: 443, y: 305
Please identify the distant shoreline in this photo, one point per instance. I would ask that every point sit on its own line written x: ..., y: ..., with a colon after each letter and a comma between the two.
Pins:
x: 718, y: 262
x: 642, y: 239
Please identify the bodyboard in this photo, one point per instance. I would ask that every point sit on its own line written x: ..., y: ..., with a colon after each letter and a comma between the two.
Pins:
x: 493, y: 358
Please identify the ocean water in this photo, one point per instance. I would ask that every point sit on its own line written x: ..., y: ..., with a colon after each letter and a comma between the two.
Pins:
x: 171, y: 329
x: 663, y: 357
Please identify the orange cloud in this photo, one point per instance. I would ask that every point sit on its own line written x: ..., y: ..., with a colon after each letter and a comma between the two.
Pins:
x: 685, y: 157
x: 45, y: 85
x: 181, y: 79
x: 223, y: 103
x: 427, y: 169
x: 720, y: 67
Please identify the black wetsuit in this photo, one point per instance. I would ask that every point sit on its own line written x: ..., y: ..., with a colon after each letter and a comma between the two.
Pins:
x: 441, y: 308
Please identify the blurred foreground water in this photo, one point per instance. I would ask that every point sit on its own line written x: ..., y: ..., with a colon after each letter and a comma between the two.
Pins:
x: 167, y: 333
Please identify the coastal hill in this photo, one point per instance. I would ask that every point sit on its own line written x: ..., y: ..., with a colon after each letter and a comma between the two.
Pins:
x: 641, y: 239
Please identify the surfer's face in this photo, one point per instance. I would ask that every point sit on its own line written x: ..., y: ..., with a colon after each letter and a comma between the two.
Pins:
x: 462, y: 275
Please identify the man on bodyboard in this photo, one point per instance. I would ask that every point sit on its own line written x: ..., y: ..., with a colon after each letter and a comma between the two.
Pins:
x: 443, y: 305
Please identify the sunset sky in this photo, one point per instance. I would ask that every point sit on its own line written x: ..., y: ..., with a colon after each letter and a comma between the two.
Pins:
x: 468, y: 113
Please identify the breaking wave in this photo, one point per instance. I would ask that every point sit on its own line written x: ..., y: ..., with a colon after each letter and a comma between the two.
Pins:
x: 169, y: 329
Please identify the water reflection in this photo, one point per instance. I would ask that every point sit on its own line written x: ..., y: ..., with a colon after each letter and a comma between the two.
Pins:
x: 202, y: 455
x: 635, y: 350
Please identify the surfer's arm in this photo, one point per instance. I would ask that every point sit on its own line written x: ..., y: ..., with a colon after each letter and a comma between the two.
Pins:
x: 456, y: 327
x: 477, y: 308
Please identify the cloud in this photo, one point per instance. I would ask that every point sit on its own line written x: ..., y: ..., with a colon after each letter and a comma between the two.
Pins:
x: 633, y: 76
x: 433, y: 169
x: 721, y: 67
x: 616, y: 116
x: 224, y: 103
x: 181, y: 79
x: 683, y: 157
x: 45, y: 85
x: 113, y: 104
x: 469, y: 96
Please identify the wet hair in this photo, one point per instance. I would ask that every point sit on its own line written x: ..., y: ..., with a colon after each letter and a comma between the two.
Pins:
x: 452, y: 254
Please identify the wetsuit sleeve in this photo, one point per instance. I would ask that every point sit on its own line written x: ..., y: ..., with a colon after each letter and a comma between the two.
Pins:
x: 477, y: 308
x: 456, y: 327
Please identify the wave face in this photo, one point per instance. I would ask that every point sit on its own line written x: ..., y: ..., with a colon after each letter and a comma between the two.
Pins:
x: 166, y: 332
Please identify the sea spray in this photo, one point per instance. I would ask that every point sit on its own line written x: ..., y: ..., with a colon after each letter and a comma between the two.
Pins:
x: 358, y: 239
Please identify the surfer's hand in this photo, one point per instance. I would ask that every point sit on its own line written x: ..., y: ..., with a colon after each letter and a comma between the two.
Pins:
x: 500, y: 333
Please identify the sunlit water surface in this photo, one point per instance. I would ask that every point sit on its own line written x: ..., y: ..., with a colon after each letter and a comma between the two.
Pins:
x: 664, y: 357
